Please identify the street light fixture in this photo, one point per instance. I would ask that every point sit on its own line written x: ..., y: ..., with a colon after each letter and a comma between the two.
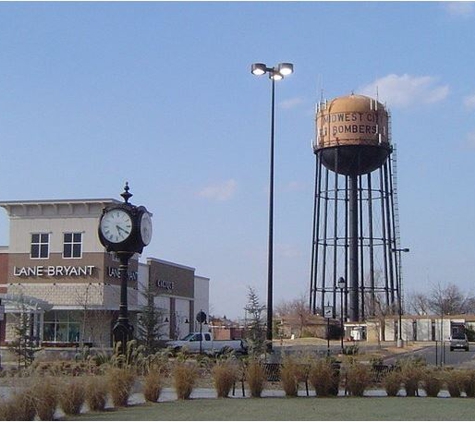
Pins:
x: 341, y: 285
x: 275, y: 74
x: 399, y: 282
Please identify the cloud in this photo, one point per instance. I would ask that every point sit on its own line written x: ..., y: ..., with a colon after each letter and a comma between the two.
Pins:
x: 222, y: 191
x: 469, y: 102
x: 290, y: 103
x: 460, y: 8
x: 406, y: 90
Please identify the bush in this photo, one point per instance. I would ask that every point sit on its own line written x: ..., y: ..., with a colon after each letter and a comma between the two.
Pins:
x: 152, y: 386
x: 358, y: 379
x: 411, y: 376
x: 96, y: 393
x: 19, y: 407
x: 290, y: 374
x: 184, y: 378
x: 468, y: 383
x: 225, y: 375
x: 256, y: 377
x: 454, y: 382
x: 392, y: 383
x: 120, y: 382
x: 324, y: 378
x: 46, y: 397
x: 431, y: 382
x: 72, y: 396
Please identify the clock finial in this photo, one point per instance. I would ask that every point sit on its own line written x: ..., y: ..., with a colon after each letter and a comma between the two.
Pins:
x: 126, y: 194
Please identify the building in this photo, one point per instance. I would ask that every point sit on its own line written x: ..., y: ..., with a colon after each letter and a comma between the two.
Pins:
x: 57, y: 272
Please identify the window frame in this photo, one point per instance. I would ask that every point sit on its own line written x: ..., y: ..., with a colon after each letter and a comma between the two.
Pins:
x: 40, y: 244
x: 73, y: 243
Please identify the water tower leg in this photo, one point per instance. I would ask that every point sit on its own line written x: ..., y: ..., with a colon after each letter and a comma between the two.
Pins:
x: 353, y: 246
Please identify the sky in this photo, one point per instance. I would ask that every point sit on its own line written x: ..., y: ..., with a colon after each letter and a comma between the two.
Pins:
x: 161, y: 95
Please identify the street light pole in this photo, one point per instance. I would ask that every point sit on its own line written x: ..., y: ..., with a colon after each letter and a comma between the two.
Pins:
x: 275, y: 73
x: 399, y: 298
x: 341, y: 285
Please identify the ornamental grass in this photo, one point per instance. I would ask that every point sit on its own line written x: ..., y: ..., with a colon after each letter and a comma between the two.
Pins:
x: 392, y: 383
x: 411, y: 378
x: 225, y: 374
x: 184, y: 378
x: 256, y: 377
x: 290, y: 375
x: 120, y: 382
x: 19, y: 407
x: 72, y: 395
x: 324, y: 378
x: 96, y: 393
x: 46, y: 397
x: 454, y: 382
x: 358, y: 378
x: 431, y: 382
x: 468, y: 383
x: 152, y: 385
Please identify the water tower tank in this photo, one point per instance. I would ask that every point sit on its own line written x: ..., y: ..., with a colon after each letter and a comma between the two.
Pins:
x: 352, y: 134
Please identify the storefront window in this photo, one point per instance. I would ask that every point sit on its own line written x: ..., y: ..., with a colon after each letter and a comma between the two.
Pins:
x: 61, y: 326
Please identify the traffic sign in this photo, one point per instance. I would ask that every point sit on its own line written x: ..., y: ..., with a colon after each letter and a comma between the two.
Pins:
x: 328, y: 311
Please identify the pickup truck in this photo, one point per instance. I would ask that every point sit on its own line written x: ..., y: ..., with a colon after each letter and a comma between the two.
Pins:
x: 204, y: 343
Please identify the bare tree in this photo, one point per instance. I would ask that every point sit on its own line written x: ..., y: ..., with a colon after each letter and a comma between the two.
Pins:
x: 418, y: 303
x: 448, y: 300
x: 378, y: 307
x: 442, y: 299
x: 297, y: 309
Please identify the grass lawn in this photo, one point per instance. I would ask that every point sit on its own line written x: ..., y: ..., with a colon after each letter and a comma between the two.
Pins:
x: 300, y: 408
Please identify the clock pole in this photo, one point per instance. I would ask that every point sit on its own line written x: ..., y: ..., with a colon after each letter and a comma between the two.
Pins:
x: 124, y: 229
x: 123, y: 330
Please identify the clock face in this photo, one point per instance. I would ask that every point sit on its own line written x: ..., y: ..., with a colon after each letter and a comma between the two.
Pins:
x: 146, y: 228
x: 116, y: 226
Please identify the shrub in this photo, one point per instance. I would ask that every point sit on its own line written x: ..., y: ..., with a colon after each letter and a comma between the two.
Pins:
x: 454, y: 381
x: 411, y: 376
x: 184, y: 378
x: 256, y: 377
x: 468, y: 383
x: 45, y: 397
x: 290, y: 374
x: 72, y: 396
x: 152, y: 386
x: 358, y: 379
x: 324, y: 378
x: 96, y: 393
x: 7, y: 410
x: 392, y: 383
x: 431, y: 382
x: 225, y: 375
x: 120, y: 382
x: 19, y: 407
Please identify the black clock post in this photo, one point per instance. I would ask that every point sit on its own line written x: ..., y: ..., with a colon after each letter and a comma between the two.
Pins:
x: 124, y: 229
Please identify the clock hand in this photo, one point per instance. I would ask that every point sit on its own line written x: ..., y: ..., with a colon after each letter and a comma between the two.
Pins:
x: 120, y: 228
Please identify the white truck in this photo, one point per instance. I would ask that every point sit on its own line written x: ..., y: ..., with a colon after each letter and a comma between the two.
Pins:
x: 204, y: 343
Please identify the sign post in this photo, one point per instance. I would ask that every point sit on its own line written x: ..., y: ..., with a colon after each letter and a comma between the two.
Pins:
x: 328, y: 313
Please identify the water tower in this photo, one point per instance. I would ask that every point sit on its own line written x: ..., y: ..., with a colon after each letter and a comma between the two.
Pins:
x: 355, y: 228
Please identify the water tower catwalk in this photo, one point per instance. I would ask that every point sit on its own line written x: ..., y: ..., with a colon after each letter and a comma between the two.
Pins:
x: 355, y: 228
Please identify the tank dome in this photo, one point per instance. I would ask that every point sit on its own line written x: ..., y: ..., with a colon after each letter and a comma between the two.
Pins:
x: 352, y: 134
